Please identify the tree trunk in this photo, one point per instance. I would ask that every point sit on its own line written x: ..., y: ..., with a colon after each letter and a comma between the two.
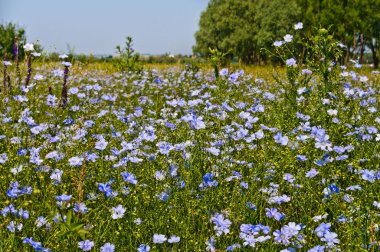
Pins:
x: 354, y: 47
x: 375, y: 60
x: 362, y: 45
x: 347, y: 54
x: 374, y: 55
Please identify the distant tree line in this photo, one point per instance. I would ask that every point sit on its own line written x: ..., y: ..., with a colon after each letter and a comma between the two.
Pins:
x: 12, y: 36
x: 245, y: 27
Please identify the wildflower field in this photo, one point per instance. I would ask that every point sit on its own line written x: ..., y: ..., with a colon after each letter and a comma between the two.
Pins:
x: 180, y: 159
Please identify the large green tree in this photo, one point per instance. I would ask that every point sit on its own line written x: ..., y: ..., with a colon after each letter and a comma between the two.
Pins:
x: 227, y: 25
x: 244, y: 27
x: 274, y: 19
x: 370, y: 27
x: 8, y: 33
x: 356, y: 23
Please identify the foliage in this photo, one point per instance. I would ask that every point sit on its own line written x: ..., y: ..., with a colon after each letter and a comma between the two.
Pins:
x: 227, y: 25
x: 8, y: 33
x: 247, y: 27
x: 244, y: 27
x: 321, y: 56
x: 354, y: 23
x: 128, y: 59
x: 273, y: 19
x: 217, y: 60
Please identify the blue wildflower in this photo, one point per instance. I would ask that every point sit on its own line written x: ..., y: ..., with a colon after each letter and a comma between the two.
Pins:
x: 174, y: 239
x: 63, y: 197
x: 85, y: 245
x: 331, y: 190
x: 143, y: 248
x: 106, y: 188
x: 322, y: 229
x: 274, y: 213
x: 159, y: 238
x: 330, y: 238
x: 208, y: 181
x: 312, y: 173
x: 221, y: 224
x: 129, y: 177
x: 281, y: 237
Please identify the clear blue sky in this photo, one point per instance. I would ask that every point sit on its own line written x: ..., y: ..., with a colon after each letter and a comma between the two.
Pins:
x: 97, y: 26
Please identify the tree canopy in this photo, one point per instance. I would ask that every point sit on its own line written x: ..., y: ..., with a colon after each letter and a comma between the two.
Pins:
x: 224, y: 26
x: 245, y: 27
x: 10, y: 34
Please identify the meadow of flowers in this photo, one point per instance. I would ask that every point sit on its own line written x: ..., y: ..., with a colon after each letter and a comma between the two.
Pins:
x: 178, y: 160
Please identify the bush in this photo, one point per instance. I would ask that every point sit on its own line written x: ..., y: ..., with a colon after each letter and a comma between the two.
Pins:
x: 128, y: 59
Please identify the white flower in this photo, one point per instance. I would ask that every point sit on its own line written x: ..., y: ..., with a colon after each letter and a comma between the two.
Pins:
x: 342, y: 45
x: 159, y: 238
x: 174, y: 239
x: 344, y: 74
x: 372, y: 109
x: 332, y: 112
x: 76, y: 161
x: 118, y: 212
x: 278, y: 43
x: 288, y: 38
x: 101, y: 144
x: 17, y: 169
x: 52, y: 154
x: 363, y: 79
x: 3, y: 158
x: 376, y: 204
x: 298, y: 26
x: 58, y: 72
x: 38, y: 77
x: 36, y: 54
x: 66, y: 64
x: 160, y: 175
x: 63, y: 56
x: 319, y: 217
x: 138, y: 221
x: 326, y: 101
x: 377, y: 137
x: 73, y: 90
x: 7, y: 63
x: 29, y: 47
